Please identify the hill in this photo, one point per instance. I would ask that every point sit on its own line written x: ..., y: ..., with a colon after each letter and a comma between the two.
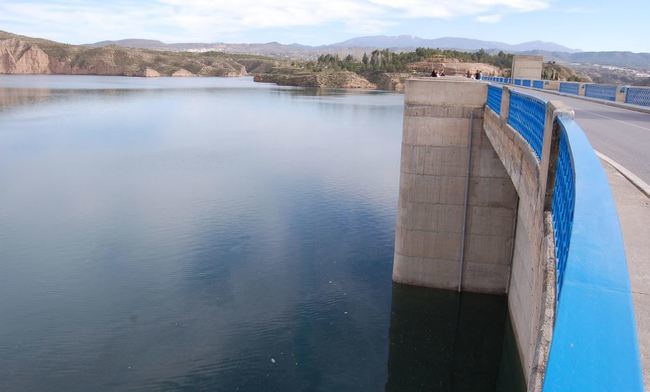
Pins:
x: 351, y: 46
x: 613, y: 58
x: 27, y: 55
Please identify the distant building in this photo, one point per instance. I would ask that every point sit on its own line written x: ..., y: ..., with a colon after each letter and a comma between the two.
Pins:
x: 527, y: 67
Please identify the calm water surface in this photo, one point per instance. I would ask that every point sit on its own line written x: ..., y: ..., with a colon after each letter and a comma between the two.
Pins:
x: 217, y: 234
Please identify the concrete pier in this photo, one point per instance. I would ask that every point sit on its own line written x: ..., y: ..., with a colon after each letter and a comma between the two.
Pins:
x: 457, y: 204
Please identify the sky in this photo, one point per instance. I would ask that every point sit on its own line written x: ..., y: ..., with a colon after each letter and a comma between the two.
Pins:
x: 580, y: 24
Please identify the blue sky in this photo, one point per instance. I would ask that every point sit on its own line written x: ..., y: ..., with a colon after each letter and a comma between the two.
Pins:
x: 580, y: 24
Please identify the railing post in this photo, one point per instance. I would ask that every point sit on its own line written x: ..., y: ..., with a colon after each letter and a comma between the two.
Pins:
x: 582, y: 89
x: 621, y: 92
x: 505, y: 103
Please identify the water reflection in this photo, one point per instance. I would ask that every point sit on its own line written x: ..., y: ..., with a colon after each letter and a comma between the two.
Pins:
x: 179, y: 234
x: 16, y: 97
x: 444, y: 341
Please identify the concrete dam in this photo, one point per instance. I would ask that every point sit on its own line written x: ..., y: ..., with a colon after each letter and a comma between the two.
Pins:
x: 501, y: 193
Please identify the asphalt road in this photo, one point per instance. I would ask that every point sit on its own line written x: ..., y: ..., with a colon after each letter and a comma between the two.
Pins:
x: 621, y: 134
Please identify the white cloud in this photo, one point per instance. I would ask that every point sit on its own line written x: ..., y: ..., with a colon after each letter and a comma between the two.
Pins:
x: 175, y: 20
x: 494, y: 18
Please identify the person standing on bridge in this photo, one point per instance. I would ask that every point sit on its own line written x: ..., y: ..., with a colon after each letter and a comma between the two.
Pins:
x: 477, y: 75
x: 434, y: 74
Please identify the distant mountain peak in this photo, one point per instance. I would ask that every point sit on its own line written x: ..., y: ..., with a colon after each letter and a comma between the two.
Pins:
x: 460, y: 43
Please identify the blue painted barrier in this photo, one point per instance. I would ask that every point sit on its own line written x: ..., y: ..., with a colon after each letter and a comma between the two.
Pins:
x: 527, y: 116
x: 601, y: 91
x: 494, y: 98
x: 594, y: 346
x: 570, y: 88
x: 633, y: 95
x: 638, y: 96
x: 563, y: 207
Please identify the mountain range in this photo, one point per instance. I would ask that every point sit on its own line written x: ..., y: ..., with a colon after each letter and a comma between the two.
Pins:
x: 357, y: 46
x: 402, y: 42
x: 409, y: 42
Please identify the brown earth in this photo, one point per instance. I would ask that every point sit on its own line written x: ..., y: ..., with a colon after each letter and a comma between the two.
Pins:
x: 324, y: 79
x: 26, y: 55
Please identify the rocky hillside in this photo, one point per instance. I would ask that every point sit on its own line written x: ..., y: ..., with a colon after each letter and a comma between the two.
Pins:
x: 555, y: 71
x: 25, y: 55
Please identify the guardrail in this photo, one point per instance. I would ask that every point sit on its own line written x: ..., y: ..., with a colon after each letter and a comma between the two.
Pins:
x: 627, y: 94
x: 570, y: 88
x: 594, y: 345
x: 527, y: 115
x: 637, y: 96
x: 494, y: 98
x: 562, y: 207
x: 601, y: 91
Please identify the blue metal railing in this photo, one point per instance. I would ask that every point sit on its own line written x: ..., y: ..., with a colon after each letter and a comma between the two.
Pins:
x: 638, y: 96
x: 563, y: 205
x: 527, y: 116
x: 494, y: 98
x: 570, y: 88
x: 633, y: 95
x: 601, y: 91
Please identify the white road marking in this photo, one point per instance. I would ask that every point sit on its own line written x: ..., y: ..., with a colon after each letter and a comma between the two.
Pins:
x: 613, y: 119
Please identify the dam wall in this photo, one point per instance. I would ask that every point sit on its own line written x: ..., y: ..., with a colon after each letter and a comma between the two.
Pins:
x: 501, y: 192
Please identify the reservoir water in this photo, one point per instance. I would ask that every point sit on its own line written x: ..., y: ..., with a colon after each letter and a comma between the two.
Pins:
x: 218, y: 234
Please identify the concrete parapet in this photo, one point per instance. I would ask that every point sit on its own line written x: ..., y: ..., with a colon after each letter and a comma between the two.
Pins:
x: 552, y: 85
x: 621, y: 92
x: 582, y: 89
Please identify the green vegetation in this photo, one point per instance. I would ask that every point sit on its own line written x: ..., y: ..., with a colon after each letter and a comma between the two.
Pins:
x: 388, y: 61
